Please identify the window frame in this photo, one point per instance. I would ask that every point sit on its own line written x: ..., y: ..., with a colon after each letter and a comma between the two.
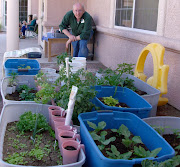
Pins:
x: 135, y: 29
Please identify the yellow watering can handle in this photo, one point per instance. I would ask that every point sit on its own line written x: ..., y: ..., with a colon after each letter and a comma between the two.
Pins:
x: 160, y: 72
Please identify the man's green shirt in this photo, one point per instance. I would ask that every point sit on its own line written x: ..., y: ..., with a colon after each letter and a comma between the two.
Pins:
x: 83, y: 28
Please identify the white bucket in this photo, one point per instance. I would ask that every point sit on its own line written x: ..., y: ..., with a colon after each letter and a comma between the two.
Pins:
x: 48, y: 70
x: 52, y: 77
x: 77, y: 66
x: 79, y: 60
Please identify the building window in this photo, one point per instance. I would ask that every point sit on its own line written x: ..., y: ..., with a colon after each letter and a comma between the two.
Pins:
x: 139, y: 14
x: 5, y: 13
x: 23, y: 10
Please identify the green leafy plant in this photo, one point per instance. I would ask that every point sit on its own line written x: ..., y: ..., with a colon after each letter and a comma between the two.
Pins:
x: 25, y: 93
x: 173, y: 162
x: 13, y: 79
x: 40, y: 78
x: 37, y: 153
x: 113, y: 77
x: 125, y: 68
x: 115, y: 154
x: 46, y: 94
x: 160, y: 129
x: 22, y: 66
x: 142, y: 153
x: 110, y: 101
x: 102, y: 139
x: 61, y: 59
x: 27, y: 122
x: 123, y: 130
x: 16, y: 159
x: 101, y: 125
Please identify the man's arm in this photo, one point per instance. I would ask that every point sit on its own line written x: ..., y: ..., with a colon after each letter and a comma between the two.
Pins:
x: 70, y: 36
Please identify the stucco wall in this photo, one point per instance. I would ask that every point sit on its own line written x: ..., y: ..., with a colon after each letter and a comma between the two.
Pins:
x: 34, y: 7
x: 115, y: 46
x: 172, y: 22
x: 55, y: 11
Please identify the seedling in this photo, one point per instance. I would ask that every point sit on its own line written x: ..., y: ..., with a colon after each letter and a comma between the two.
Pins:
x: 22, y: 66
x: 160, y: 129
x: 123, y: 130
x: 110, y: 101
x: 101, y: 126
x: 142, y: 153
x: 102, y: 139
x: 117, y: 155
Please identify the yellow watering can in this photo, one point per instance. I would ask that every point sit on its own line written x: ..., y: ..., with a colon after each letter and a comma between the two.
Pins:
x: 160, y: 73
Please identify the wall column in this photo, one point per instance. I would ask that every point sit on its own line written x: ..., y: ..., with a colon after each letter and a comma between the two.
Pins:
x: 29, y: 8
x: 12, y: 41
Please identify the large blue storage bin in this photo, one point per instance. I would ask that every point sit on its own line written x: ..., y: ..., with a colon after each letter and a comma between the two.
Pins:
x: 114, y: 119
x: 137, y: 104
x: 12, y: 65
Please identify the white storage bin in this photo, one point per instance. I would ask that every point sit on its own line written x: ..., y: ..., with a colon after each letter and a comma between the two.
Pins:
x: 21, y: 80
x: 164, y: 121
x: 11, y: 113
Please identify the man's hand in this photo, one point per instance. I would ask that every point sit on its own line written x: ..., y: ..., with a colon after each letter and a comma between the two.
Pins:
x: 67, y: 43
x: 72, y: 38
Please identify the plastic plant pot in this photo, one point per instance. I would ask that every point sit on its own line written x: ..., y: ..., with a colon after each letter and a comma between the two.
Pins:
x: 57, y: 121
x: 21, y: 80
x: 114, y: 120
x: 11, y: 113
x: 69, y: 155
x: 55, y: 110
x: 152, y: 96
x: 60, y: 129
x: 12, y: 65
x: 137, y: 105
x: 163, y: 122
x: 66, y: 136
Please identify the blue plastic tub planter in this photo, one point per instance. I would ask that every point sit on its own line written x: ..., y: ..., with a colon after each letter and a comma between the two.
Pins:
x: 21, y: 67
x: 114, y: 120
x: 152, y: 95
x: 137, y: 104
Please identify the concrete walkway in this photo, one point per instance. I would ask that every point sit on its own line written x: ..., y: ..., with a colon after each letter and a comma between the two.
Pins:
x: 33, y: 42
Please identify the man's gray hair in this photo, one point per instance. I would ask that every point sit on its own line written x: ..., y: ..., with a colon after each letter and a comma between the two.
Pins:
x: 78, y: 4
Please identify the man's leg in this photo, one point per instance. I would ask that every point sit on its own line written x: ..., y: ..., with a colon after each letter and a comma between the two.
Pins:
x: 23, y: 30
x: 83, y: 50
x: 75, y: 45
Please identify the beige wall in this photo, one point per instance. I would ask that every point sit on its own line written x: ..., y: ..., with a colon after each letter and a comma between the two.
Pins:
x: 56, y: 9
x: 34, y: 7
x: 118, y: 45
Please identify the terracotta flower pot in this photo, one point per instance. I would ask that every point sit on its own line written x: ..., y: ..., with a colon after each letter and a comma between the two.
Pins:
x: 71, y: 151
x: 66, y: 136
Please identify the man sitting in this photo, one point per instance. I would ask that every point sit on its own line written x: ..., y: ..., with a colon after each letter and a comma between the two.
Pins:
x: 81, y: 24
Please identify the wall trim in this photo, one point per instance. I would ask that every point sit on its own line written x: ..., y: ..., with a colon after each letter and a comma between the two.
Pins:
x: 141, y: 38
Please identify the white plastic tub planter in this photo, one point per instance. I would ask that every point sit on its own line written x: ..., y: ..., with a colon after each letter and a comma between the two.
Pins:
x: 152, y: 96
x: 21, y: 80
x: 163, y: 122
x: 11, y: 113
